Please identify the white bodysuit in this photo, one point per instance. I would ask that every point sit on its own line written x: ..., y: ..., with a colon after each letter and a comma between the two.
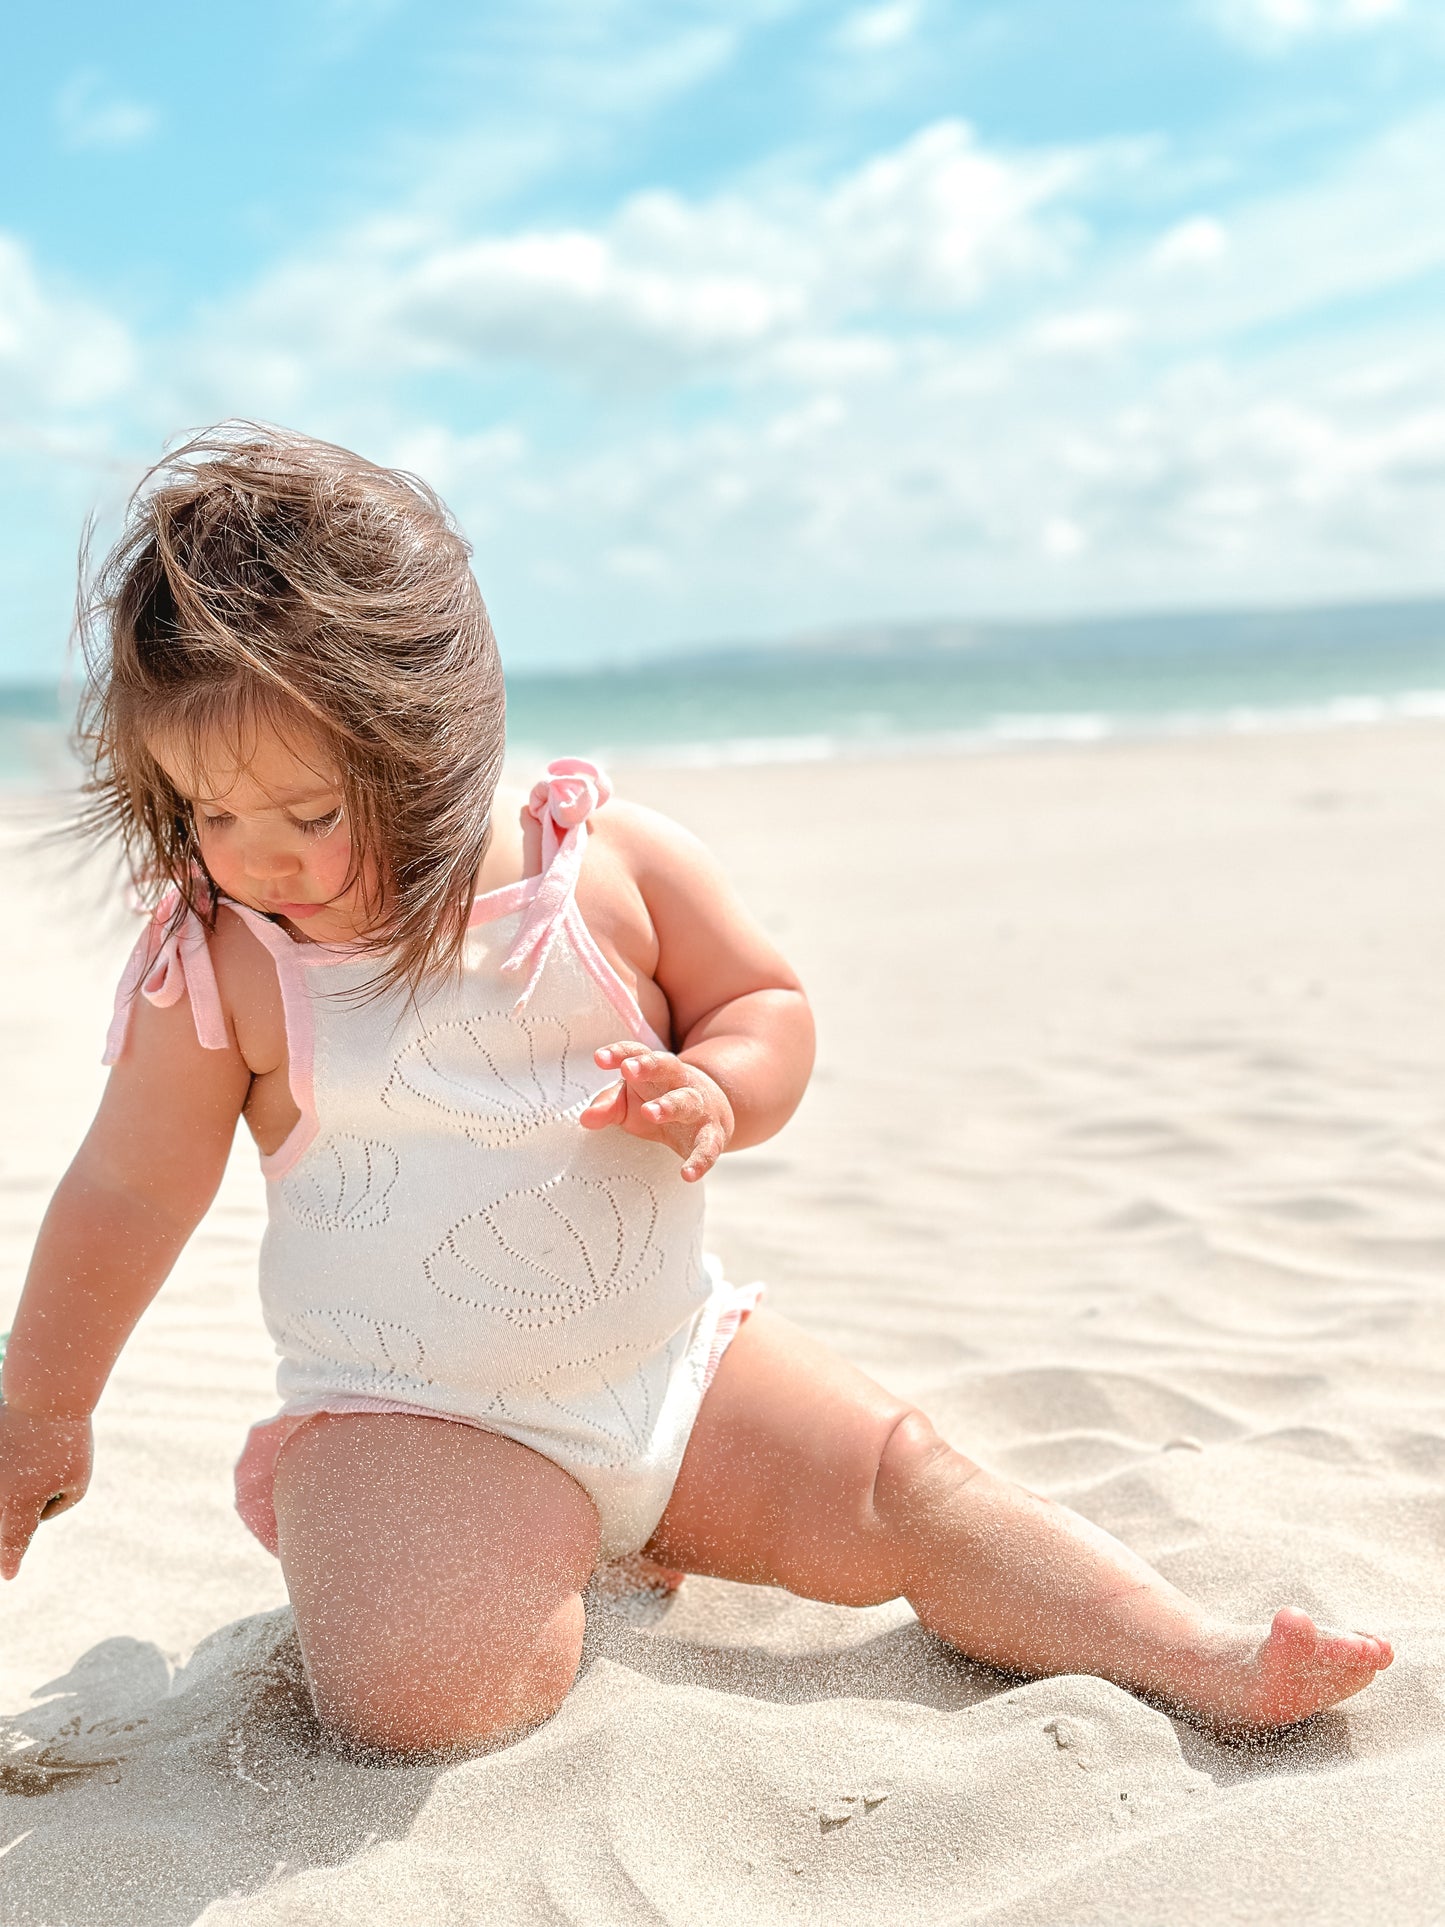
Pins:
x: 443, y: 1237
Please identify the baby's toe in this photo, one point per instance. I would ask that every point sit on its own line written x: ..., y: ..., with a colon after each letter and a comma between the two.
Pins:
x: 1296, y: 1633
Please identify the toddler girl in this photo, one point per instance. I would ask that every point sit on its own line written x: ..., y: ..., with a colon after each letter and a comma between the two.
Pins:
x: 487, y: 1045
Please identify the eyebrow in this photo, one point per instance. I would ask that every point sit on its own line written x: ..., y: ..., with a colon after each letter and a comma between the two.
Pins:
x: 284, y: 799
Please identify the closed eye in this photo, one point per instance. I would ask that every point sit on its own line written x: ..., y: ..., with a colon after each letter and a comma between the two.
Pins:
x: 308, y: 826
x: 319, y: 825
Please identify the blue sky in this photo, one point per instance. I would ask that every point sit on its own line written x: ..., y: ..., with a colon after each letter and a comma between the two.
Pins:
x: 729, y: 320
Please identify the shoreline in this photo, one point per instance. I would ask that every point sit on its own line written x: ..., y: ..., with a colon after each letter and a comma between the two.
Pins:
x: 1011, y: 735
x: 1026, y: 732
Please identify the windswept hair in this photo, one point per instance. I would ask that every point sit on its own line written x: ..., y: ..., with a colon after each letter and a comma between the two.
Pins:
x: 263, y: 578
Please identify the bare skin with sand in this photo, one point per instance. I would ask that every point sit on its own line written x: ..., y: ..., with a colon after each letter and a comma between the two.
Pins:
x: 435, y: 1570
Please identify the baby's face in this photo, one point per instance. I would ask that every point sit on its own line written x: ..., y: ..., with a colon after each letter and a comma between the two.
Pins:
x: 272, y: 830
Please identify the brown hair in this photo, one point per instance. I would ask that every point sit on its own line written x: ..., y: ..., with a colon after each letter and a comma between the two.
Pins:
x: 263, y: 577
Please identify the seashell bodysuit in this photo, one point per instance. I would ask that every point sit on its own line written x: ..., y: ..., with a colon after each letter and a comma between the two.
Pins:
x: 443, y: 1237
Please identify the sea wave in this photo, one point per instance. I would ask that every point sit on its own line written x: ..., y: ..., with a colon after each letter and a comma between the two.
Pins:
x: 1015, y: 730
x: 35, y: 756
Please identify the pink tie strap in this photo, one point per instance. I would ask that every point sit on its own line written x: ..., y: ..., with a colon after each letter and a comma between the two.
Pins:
x: 171, y: 960
x: 562, y: 803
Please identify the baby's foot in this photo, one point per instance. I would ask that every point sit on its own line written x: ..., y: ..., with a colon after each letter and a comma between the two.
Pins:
x: 1242, y: 1687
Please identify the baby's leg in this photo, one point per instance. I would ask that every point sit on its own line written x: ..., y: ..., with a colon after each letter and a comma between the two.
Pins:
x: 435, y: 1571
x: 803, y: 1473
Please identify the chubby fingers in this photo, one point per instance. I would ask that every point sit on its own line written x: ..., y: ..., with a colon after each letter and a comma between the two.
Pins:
x: 610, y: 1056
x: 608, y: 1107
x: 672, y: 1101
x: 22, y: 1515
x: 681, y: 1104
x: 642, y: 1071
x: 685, y: 1119
x: 708, y: 1147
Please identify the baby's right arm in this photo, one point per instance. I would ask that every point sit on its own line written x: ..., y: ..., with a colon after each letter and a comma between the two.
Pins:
x: 140, y: 1183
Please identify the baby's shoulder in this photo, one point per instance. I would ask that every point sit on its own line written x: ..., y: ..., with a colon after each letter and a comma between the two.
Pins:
x: 611, y: 889
x: 652, y: 863
x: 643, y: 839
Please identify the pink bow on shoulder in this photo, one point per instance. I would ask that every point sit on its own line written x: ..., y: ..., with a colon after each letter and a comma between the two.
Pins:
x: 567, y: 795
x: 562, y: 803
x: 171, y: 960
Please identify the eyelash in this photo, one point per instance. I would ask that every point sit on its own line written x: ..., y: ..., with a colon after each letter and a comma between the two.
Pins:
x: 308, y: 826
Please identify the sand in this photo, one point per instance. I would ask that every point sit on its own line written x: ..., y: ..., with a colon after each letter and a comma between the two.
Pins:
x: 1125, y: 1156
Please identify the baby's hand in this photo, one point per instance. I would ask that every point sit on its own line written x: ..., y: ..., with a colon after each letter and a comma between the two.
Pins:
x: 660, y: 1097
x: 44, y: 1469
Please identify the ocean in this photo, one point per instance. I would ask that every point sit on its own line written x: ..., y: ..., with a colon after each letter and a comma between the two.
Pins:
x: 944, y: 686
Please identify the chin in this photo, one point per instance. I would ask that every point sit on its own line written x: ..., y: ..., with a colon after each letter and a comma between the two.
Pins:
x: 324, y: 928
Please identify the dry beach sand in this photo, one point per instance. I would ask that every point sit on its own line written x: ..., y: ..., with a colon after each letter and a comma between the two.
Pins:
x: 1126, y: 1155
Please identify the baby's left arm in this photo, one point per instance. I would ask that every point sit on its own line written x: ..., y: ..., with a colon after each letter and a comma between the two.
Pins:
x: 740, y: 1020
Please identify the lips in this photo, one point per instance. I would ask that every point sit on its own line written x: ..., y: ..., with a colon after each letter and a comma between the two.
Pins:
x: 295, y: 911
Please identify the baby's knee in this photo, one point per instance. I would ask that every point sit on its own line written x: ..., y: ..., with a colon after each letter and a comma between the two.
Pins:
x: 917, y: 1470
x: 378, y: 1697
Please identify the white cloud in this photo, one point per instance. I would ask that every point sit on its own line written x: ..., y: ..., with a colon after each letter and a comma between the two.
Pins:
x: 935, y: 221
x: 1024, y: 491
x: 1063, y: 539
x: 811, y: 361
x: 88, y: 114
x: 482, y: 466
x: 950, y: 480
x: 1196, y: 243
x: 57, y: 352
x: 921, y: 384
x: 873, y: 29
x: 1087, y: 331
x: 662, y: 71
x: 1360, y: 228
x: 671, y: 288
x: 591, y: 63
x: 928, y: 387
x: 1271, y: 26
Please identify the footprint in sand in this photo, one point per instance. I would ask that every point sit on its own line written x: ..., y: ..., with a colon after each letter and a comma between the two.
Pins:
x: 848, y: 1807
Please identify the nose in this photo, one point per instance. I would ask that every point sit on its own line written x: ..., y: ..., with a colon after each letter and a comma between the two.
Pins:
x: 266, y: 861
